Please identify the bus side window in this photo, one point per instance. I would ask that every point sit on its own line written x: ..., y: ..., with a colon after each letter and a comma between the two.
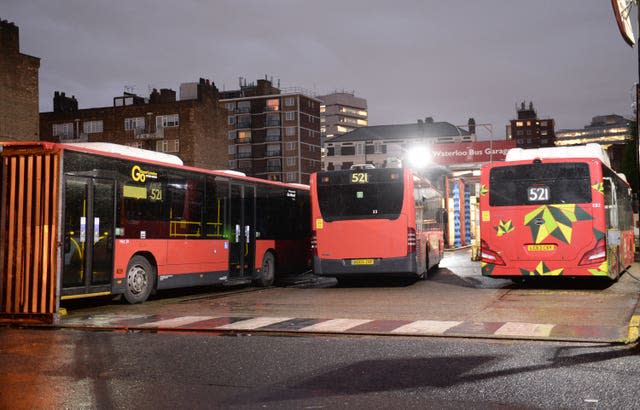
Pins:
x: 214, y: 208
x: 610, y: 203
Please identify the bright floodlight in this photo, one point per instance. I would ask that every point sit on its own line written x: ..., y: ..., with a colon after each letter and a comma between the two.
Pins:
x: 418, y: 157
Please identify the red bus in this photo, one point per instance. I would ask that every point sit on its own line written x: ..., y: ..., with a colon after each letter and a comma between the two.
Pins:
x: 375, y: 222
x: 92, y: 222
x: 555, y: 212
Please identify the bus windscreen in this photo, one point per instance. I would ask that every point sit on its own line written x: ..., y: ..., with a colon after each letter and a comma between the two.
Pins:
x: 368, y: 194
x: 540, y: 183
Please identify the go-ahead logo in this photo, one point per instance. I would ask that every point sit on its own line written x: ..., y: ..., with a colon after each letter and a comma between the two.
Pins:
x: 140, y: 175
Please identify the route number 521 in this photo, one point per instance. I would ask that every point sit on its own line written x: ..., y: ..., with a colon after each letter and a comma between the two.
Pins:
x: 538, y: 193
x: 359, y: 178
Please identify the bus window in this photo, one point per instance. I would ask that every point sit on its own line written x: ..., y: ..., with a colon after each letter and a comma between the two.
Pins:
x: 214, y: 209
x: 538, y: 183
x: 185, y: 206
x: 375, y: 197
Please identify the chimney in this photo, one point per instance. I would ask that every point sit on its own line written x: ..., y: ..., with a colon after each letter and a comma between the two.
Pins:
x: 472, y: 126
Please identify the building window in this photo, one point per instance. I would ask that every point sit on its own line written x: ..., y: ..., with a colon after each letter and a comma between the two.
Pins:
x: 519, y: 124
x: 231, y: 149
x: 359, y: 149
x: 135, y: 123
x: 290, y: 115
x: 291, y: 161
x: 292, y: 176
x: 165, y: 121
x: 543, y: 123
x: 273, y: 134
x: 291, y: 146
x: 244, y: 151
x: 230, y: 106
x: 231, y: 135
x: 330, y: 151
x: 135, y: 144
x: 231, y: 120
x: 232, y: 164
x: 289, y: 101
x: 168, y: 146
x: 244, y: 136
x: 273, y: 104
x: 290, y: 131
x: 348, y: 150
x: 244, y: 107
x: 91, y: 127
x: 63, y: 131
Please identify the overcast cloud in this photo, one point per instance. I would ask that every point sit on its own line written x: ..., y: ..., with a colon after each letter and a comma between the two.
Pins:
x: 410, y: 59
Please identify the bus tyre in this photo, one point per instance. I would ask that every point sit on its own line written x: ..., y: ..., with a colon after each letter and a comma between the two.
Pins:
x: 140, y: 280
x: 268, y: 271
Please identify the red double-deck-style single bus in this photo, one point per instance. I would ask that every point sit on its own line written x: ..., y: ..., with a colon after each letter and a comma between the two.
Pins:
x: 375, y: 222
x: 101, y: 219
x: 555, y: 212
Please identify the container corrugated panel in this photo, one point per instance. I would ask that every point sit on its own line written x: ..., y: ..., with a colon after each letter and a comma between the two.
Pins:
x: 28, y: 234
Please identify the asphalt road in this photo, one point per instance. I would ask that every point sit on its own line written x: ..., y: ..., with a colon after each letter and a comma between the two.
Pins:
x: 108, y: 370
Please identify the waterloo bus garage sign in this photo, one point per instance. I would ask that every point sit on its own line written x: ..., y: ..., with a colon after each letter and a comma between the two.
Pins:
x: 470, y: 152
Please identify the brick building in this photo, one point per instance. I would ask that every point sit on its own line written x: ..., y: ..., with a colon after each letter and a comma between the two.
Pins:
x: 192, y: 128
x: 529, y: 131
x: 18, y: 87
x: 272, y: 134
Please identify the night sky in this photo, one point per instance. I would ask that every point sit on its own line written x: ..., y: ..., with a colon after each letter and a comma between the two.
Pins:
x: 410, y: 59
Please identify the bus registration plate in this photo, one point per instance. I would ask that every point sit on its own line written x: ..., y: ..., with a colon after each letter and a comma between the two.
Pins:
x: 541, y: 247
x: 362, y: 261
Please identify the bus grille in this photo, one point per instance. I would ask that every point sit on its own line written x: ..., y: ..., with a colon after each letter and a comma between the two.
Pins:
x: 28, y: 230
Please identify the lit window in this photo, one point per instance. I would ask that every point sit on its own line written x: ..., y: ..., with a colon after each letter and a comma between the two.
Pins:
x: 273, y: 104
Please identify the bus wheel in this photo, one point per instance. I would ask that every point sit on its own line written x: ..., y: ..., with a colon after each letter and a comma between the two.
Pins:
x: 140, y: 280
x: 268, y: 271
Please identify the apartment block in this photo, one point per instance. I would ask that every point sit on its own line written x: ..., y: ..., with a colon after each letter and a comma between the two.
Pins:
x: 529, y: 131
x: 341, y: 112
x: 18, y: 87
x: 272, y: 134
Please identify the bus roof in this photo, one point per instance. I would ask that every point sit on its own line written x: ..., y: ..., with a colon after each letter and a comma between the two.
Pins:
x: 580, y: 151
x: 129, y: 151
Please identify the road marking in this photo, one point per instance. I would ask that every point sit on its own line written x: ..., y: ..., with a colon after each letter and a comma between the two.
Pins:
x: 525, y: 329
x: 425, y: 327
x: 335, y: 325
x: 254, y: 323
x: 176, y: 322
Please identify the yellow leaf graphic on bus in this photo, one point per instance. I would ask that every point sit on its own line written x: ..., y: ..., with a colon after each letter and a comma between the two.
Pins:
x: 483, y: 190
x: 554, y: 220
x: 542, y: 270
x: 603, y: 269
x: 599, y: 187
x: 504, y: 228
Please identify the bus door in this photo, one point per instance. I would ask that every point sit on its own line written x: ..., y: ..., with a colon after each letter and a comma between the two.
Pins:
x: 242, y: 244
x: 88, y: 235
